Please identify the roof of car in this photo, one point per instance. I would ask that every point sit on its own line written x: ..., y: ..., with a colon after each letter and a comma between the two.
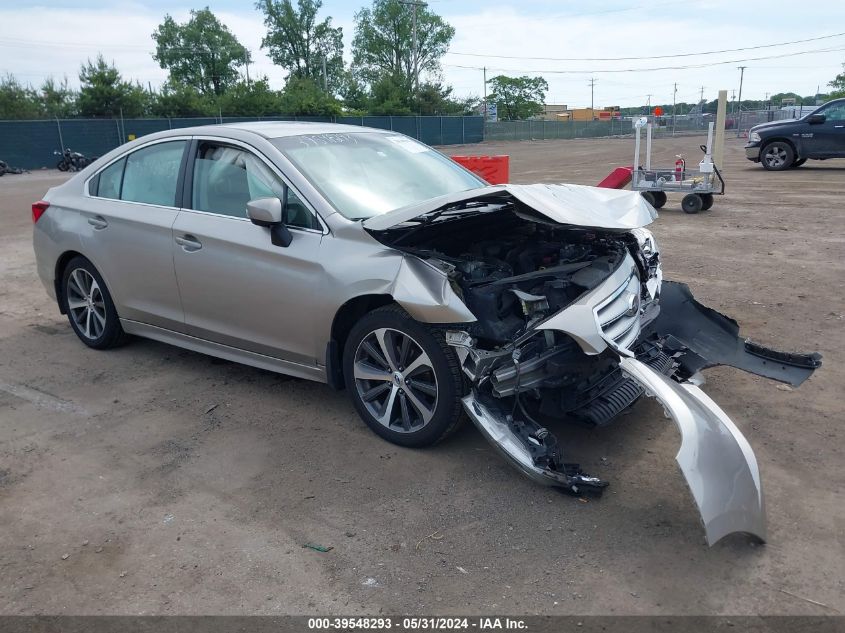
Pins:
x: 276, y: 129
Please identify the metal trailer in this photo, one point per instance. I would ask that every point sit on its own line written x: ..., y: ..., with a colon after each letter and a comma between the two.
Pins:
x: 654, y: 184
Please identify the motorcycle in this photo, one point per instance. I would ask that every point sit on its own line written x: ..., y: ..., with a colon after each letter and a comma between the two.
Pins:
x: 72, y: 161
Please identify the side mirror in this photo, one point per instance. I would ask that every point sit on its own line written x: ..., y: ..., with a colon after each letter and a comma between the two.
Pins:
x: 268, y: 212
x: 815, y: 119
x: 264, y: 211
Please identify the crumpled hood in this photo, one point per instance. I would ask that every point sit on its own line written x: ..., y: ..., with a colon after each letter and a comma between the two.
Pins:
x: 576, y: 205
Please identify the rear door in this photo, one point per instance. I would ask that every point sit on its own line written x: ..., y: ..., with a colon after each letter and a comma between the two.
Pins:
x: 130, y: 208
x: 237, y: 288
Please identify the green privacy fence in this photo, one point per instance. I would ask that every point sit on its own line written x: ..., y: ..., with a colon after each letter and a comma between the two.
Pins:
x: 528, y: 130
x: 30, y: 144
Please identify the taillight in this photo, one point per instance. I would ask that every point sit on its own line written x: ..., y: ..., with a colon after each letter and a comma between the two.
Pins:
x: 38, y: 209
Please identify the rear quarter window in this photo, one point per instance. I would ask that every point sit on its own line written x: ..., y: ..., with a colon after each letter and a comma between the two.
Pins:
x: 108, y: 180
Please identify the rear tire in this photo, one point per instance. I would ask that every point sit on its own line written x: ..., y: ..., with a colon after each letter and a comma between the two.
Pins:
x: 692, y: 203
x: 404, y: 380
x: 706, y: 201
x: 89, y: 306
x: 777, y: 156
x: 648, y: 196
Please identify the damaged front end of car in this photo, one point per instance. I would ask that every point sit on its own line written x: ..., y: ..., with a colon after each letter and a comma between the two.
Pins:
x: 573, y: 321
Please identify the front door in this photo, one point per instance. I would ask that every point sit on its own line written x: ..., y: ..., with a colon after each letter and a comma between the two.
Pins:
x: 237, y: 288
x: 829, y: 137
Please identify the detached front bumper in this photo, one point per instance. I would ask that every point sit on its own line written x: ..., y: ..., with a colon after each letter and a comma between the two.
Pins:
x: 715, y: 458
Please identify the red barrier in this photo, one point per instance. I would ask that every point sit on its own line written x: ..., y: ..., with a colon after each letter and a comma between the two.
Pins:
x: 494, y: 169
x: 618, y: 178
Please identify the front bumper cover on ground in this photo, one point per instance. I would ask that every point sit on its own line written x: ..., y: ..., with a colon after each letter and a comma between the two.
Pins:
x: 715, y: 458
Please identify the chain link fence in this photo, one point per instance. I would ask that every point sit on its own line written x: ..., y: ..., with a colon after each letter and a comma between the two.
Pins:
x: 663, y: 126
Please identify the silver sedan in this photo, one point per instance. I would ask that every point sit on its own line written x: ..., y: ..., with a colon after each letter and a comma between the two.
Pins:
x: 369, y: 261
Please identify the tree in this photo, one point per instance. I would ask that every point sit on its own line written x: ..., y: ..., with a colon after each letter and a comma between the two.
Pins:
x: 201, y: 53
x: 518, y: 97
x: 178, y: 100
x: 389, y: 96
x: 436, y: 99
x: 838, y: 85
x: 18, y: 101
x: 354, y: 94
x: 57, y: 99
x: 383, y: 42
x: 105, y: 93
x: 303, y: 97
x: 251, y: 99
x: 297, y: 42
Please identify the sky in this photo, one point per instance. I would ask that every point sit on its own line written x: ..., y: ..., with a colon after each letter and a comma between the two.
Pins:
x: 565, y: 38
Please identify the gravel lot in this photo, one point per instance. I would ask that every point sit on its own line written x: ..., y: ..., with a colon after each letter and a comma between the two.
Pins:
x: 151, y: 480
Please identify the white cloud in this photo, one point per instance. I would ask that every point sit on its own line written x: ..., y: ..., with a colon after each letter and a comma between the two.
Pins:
x: 122, y: 33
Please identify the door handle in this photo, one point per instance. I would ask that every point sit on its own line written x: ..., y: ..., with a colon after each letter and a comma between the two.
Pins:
x: 98, y: 222
x: 189, y: 243
x: 838, y: 126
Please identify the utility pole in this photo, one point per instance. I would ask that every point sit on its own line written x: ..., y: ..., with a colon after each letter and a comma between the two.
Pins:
x: 325, y: 76
x: 739, y: 101
x: 674, y: 102
x: 414, y: 4
x: 648, y: 105
x: 246, y: 61
x: 592, y: 101
x: 484, y: 114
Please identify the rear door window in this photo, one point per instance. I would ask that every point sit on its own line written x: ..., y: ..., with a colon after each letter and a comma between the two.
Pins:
x: 152, y: 173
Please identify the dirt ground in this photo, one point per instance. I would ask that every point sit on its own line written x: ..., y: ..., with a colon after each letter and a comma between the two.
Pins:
x: 151, y: 480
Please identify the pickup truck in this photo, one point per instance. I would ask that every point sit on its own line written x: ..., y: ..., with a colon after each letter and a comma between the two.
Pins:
x: 783, y: 145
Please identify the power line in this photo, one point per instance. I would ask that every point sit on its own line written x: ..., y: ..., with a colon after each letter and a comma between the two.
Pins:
x: 657, y: 68
x: 620, y: 59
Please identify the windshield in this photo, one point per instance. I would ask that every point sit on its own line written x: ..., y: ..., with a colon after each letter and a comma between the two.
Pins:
x: 363, y: 174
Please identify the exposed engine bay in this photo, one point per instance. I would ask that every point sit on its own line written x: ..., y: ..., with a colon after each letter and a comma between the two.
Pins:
x: 576, y: 324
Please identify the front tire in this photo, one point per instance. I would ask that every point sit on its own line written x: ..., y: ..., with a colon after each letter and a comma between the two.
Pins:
x: 89, y: 306
x: 777, y: 156
x: 404, y: 380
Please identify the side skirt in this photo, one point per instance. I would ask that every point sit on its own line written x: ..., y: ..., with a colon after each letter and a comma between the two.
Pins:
x: 226, y: 352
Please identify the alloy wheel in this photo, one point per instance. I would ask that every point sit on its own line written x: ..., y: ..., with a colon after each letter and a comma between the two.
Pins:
x: 86, y: 304
x: 775, y: 156
x: 395, y: 380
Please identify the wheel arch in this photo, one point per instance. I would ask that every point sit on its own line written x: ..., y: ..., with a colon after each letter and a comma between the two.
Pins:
x: 61, y: 264
x: 346, y: 317
x: 796, y: 147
